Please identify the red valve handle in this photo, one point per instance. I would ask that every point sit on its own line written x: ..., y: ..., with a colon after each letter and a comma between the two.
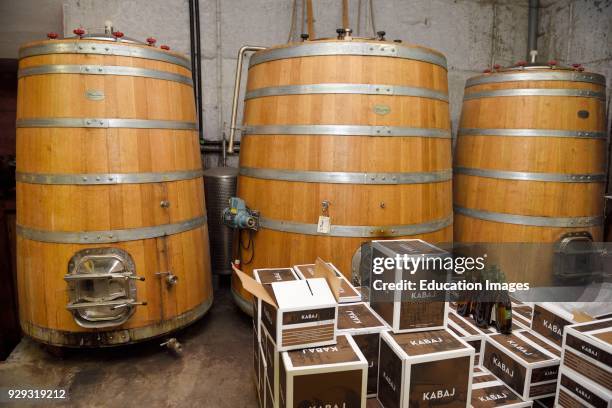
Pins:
x: 497, y: 66
x: 165, y: 47
x: 552, y: 63
x: 576, y: 65
x: 117, y: 34
x: 52, y: 36
x: 79, y: 31
x: 151, y: 41
x: 487, y: 71
x: 521, y: 63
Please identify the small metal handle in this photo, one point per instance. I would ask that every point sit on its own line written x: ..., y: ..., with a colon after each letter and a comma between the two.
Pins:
x: 128, y: 304
x: 238, y: 79
x: 171, y: 279
x: 89, y: 276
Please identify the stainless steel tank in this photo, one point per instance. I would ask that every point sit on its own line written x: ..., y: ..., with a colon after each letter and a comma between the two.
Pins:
x: 220, y: 186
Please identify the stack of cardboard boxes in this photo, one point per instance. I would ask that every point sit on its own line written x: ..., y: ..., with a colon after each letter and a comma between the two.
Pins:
x: 585, y: 376
x: 317, y: 345
x: 564, y: 359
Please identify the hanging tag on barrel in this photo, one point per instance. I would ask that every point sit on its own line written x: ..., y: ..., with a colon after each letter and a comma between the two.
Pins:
x: 324, y: 224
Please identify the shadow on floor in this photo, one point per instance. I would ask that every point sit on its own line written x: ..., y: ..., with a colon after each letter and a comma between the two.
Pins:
x: 214, y: 369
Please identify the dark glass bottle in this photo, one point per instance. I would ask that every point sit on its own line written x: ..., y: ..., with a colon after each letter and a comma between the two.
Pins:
x: 467, y: 301
x: 503, y: 314
x: 464, y: 307
x: 483, y: 313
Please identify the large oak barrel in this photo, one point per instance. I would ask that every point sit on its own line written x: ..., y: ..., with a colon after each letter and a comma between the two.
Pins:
x: 112, y: 235
x: 355, y: 130
x: 530, y: 164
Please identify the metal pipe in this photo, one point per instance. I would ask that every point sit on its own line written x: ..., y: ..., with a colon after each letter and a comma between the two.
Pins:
x: 198, y: 50
x: 243, y: 50
x: 532, y: 31
x: 196, y: 67
x: 218, y: 142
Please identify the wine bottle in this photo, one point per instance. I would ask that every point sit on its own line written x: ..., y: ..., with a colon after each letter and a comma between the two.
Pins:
x: 503, y: 314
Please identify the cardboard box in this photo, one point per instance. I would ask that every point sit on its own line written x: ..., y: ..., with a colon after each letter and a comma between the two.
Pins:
x: 467, y: 330
x: 575, y: 390
x: 334, y: 376
x: 348, y: 293
x: 408, y: 311
x: 538, y: 340
x: 489, y: 392
x: 549, y: 320
x: 261, y: 389
x: 528, y: 369
x: 432, y: 368
x: 268, y: 398
x: 465, y: 327
x: 256, y: 360
x: 268, y: 276
x: 522, y: 314
x: 548, y: 402
x: 373, y: 403
x: 272, y: 358
x: 587, y: 350
x: 299, y: 313
x: 360, y: 321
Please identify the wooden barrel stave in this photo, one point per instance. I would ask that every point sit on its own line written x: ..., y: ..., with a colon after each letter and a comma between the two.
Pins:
x: 347, y: 90
x: 552, y: 167
x: 127, y: 207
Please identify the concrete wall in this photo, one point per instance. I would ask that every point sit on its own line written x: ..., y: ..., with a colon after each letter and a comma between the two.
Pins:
x: 578, y: 31
x: 27, y: 20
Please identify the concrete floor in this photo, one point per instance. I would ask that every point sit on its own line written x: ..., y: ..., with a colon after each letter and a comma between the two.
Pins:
x: 215, y: 369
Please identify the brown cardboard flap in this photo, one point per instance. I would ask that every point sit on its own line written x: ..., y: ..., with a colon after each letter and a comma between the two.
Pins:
x: 254, y: 288
x: 323, y: 270
x: 582, y: 317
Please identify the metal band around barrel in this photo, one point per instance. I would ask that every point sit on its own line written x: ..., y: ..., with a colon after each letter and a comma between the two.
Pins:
x: 555, y: 222
x: 361, y: 89
x: 339, y: 177
x: 536, y: 92
x: 357, y: 231
x: 347, y: 130
x: 107, y: 178
x: 104, y: 70
x: 105, y: 237
x: 105, y: 123
x: 553, y: 75
x: 313, y: 49
x: 529, y: 176
x: 532, y: 133
x: 88, y: 47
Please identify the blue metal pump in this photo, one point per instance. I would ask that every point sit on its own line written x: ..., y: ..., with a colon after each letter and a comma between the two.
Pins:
x: 239, y: 216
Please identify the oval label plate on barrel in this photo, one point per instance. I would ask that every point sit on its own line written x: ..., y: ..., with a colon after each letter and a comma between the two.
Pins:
x: 382, y: 109
x: 94, y: 94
